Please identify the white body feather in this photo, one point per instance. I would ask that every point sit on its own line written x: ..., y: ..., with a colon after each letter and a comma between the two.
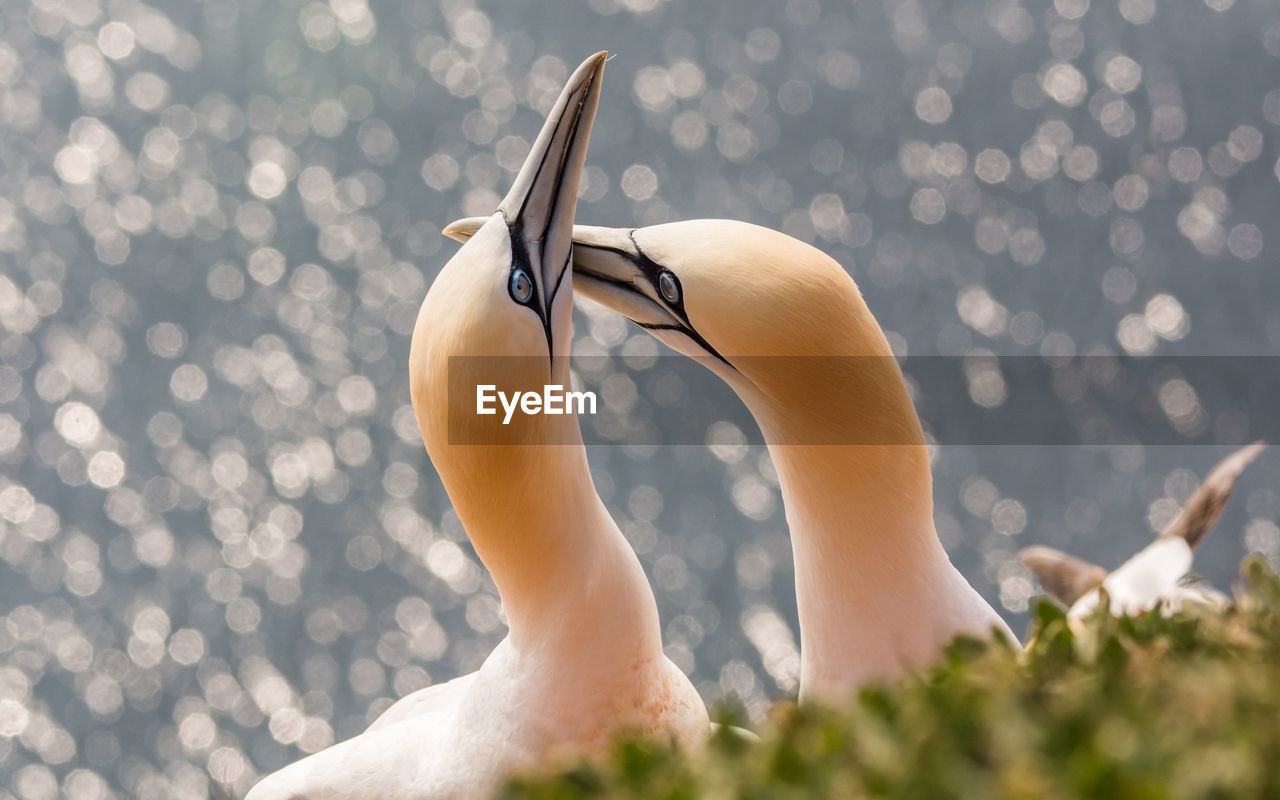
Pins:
x: 1143, y: 582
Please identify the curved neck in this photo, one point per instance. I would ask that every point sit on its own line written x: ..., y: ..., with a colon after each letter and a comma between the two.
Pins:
x: 875, y: 589
x: 869, y: 568
x: 568, y: 579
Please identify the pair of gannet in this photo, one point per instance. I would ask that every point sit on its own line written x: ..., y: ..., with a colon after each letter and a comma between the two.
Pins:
x: 786, y: 327
x: 1153, y: 577
x: 583, y: 659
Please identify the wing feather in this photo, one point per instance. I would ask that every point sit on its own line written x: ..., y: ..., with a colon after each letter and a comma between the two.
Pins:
x: 1065, y: 577
x: 1206, y: 504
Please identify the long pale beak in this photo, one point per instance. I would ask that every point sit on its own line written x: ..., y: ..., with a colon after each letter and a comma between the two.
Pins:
x: 539, y: 208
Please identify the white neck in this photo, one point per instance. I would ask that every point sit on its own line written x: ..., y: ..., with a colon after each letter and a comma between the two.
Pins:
x: 876, y: 592
x: 569, y: 581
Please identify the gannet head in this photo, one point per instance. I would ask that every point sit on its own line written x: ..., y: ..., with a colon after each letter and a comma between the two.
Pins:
x: 500, y: 310
x: 771, y: 315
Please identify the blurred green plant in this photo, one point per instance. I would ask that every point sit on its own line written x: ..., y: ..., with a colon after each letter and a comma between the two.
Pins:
x: 1181, y: 706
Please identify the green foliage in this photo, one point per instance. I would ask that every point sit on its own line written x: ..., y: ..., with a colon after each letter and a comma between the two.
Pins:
x: 1182, y: 706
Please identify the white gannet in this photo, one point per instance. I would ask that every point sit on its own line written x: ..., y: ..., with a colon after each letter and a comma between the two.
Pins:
x: 786, y: 327
x: 1152, y: 577
x: 583, y: 658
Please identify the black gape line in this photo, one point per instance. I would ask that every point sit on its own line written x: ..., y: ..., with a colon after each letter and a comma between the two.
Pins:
x: 520, y: 260
x: 654, y: 271
x: 692, y: 334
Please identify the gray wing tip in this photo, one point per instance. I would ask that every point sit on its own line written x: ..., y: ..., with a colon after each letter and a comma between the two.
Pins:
x: 1065, y: 577
x: 1206, y: 504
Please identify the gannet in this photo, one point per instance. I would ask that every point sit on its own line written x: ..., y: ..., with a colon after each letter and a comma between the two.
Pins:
x: 583, y: 658
x: 1152, y: 577
x: 786, y: 327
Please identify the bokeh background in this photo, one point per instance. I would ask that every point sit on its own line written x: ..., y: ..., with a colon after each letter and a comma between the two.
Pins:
x: 221, y: 543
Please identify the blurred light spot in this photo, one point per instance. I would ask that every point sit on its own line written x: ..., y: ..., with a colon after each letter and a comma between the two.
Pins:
x: 639, y: 182
x: 1065, y: 84
x: 933, y: 105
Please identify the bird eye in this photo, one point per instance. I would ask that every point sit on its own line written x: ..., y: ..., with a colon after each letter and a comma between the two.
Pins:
x: 521, y: 285
x: 668, y: 287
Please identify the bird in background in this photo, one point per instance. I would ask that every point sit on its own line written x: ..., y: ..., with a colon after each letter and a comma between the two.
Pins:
x: 583, y: 659
x: 1154, y: 576
x: 787, y: 328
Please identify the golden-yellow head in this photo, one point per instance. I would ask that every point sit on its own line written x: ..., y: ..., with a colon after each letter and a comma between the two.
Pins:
x: 776, y: 318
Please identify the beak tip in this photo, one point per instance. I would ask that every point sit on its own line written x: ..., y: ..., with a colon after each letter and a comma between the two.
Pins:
x: 564, y: 136
x: 590, y: 70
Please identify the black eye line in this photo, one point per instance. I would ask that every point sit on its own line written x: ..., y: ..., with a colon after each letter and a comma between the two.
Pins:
x: 653, y: 270
x: 520, y: 260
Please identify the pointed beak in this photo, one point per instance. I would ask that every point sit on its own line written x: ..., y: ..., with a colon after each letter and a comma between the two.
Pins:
x: 539, y: 208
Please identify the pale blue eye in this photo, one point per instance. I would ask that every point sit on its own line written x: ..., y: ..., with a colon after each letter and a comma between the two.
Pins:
x: 521, y: 285
x: 668, y: 287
